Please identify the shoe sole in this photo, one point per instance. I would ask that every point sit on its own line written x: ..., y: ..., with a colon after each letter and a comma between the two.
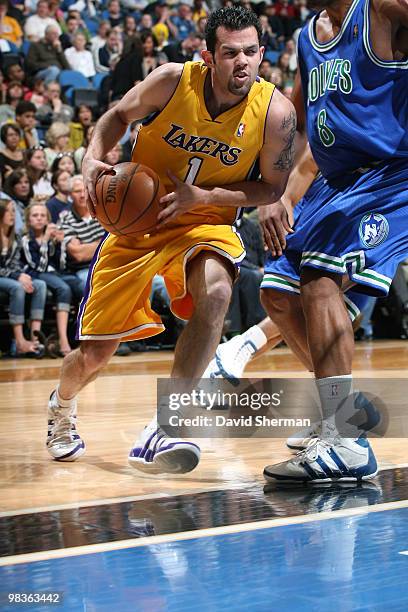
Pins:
x: 71, y: 456
x: 271, y: 478
x: 173, y: 461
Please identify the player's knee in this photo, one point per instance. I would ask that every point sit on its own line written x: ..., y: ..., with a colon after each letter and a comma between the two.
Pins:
x: 215, y: 301
x: 276, y: 303
x: 319, y: 288
x: 96, y: 355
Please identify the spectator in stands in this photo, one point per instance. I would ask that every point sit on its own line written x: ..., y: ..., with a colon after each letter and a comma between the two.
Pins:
x: 64, y: 161
x: 277, y: 77
x: 58, y: 141
x: 128, y: 71
x: 80, y: 152
x: 162, y: 15
x: 15, y: 72
x: 11, y: 157
x: 25, y: 119
x: 284, y: 64
x: 46, y: 57
x: 18, y: 285
x: 288, y: 89
x: 82, y: 233
x: 109, y: 55
x: 71, y: 29
x: 9, y: 27
x: 3, y: 89
x: 265, y: 70
x: 200, y: 11
x: 161, y: 35
x: 36, y: 164
x: 19, y: 189
x: 114, y: 156
x: 145, y: 23
x: 53, y: 108
x: 151, y: 58
x: 129, y: 29
x: 14, y: 96
x: 183, y: 22
x: 114, y: 13
x: 129, y: 140
x: 275, y: 23
x: 36, y: 93
x: 290, y: 47
x: 183, y: 51
x: 44, y: 259
x: 201, y: 25
x: 268, y: 38
x: 36, y: 25
x: 100, y: 39
x: 61, y: 201
x: 289, y: 16
x: 79, y: 57
x: 83, y: 118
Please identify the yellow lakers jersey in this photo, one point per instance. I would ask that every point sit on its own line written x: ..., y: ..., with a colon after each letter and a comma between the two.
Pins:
x: 200, y: 150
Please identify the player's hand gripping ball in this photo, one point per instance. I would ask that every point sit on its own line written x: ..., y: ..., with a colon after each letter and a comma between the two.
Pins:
x: 128, y: 201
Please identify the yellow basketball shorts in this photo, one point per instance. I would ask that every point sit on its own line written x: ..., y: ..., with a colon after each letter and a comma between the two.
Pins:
x: 116, y: 302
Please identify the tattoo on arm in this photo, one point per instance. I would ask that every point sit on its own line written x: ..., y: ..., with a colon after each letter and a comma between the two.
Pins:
x: 286, y: 156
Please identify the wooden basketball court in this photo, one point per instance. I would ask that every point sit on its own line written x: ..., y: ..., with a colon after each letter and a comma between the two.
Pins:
x: 100, y: 505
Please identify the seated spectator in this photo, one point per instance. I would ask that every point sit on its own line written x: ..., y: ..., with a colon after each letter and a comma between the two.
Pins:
x: 64, y: 161
x: 290, y: 47
x: 288, y: 90
x: 128, y: 71
x: 183, y: 22
x: 43, y: 258
x: 36, y: 25
x: 268, y: 38
x: 25, y: 119
x: 53, y: 108
x: 129, y: 28
x: 61, y: 201
x: 19, y: 285
x: 145, y: 23
x: 82, y: 120
x: 184, y: 50
x: 284, y: 64
x: 14, y: 96
x: 46, y: 58
x: 100, y: 39
x: 9, y: 27
x: 70, y: 30
x: 19, y: 189
x: 151, y: 58
x: 79, y: 57
x: 275, y: 23
x: 114, y: 13
x: 109, y: 55
x: 36, y: 164
x: 162, y: 15
x: 114, y: 156
x: 161, y: 34
x: 80, y: 152
x: 57, y: 140
x: 15, y: 72
x: 276, y: 77
x: 11, y: 157
x: 3, y: 89
x: 265, y: 70
x: 82, y: 233
x: 36, y: 94
x: 200, y: 11
x: 201, y: 25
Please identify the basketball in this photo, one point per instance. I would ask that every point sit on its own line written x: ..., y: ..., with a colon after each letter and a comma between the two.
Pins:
x: 128, y: 201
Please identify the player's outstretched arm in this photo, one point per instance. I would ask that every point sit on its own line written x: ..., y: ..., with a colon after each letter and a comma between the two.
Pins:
x: 147, y: 97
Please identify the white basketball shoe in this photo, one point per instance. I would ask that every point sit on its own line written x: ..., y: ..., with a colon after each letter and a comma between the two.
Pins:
x: 231, y: 359
x: 156, y: 453
x: 342, y: 459
x: 63, y: 441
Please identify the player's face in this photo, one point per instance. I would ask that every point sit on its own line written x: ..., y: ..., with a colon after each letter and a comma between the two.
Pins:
x: 236, y: 59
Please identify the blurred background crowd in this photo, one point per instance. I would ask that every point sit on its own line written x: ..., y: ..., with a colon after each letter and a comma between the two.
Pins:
x: 62, y: 64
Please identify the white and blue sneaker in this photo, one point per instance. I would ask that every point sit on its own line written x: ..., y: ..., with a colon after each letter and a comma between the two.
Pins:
x: 364, y: 408
x: 341, y: 459
x: 231, y: 359
x: 156, y: 453
x: 63, y: 441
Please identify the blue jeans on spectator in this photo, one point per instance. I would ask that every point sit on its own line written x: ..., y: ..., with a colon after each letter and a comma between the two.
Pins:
x: 367, y: 311
x: 18, y: 296
x: 49, y: 74
x: 82, y: 275
x: 62, y: 287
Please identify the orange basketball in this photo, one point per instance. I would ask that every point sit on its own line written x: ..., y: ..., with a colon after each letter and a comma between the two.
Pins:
x: 128, y: 201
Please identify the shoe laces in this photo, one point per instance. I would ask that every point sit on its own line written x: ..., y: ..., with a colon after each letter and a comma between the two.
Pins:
x: 64, y: 427
x: 313, y: 449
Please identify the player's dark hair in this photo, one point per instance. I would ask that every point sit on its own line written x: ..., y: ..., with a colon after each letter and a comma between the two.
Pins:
x: 231, y: 18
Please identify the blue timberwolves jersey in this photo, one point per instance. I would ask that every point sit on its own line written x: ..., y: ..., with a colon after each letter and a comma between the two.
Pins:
x: 356, y: 104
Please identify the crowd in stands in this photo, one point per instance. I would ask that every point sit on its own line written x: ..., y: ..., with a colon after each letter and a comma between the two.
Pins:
x: 51, y: 53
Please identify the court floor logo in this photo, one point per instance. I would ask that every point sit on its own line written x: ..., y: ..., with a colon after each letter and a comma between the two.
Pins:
x: 373, y: 229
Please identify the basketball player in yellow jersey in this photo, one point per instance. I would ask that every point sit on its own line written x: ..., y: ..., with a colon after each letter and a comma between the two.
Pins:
x: 209, y: 124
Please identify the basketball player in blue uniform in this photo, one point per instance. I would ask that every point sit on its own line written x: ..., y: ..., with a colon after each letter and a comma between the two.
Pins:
x: 353, y: 228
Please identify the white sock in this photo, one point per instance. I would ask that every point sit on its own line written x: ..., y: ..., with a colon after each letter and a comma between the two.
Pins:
x: 64, y: 403
x: 333, y: 393
x: 256, y: 336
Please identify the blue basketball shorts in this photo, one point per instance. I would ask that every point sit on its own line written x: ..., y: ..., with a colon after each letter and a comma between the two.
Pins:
x: 355, y: 226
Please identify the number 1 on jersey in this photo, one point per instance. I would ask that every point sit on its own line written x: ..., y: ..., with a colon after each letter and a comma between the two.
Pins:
x: 194, y: 165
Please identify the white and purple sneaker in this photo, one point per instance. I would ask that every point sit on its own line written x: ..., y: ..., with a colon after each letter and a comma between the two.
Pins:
x: 63, y: 441
x: 156, y: 453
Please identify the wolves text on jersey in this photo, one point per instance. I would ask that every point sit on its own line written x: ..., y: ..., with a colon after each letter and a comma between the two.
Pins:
x: 329, y: 76
x: 178, y: 138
